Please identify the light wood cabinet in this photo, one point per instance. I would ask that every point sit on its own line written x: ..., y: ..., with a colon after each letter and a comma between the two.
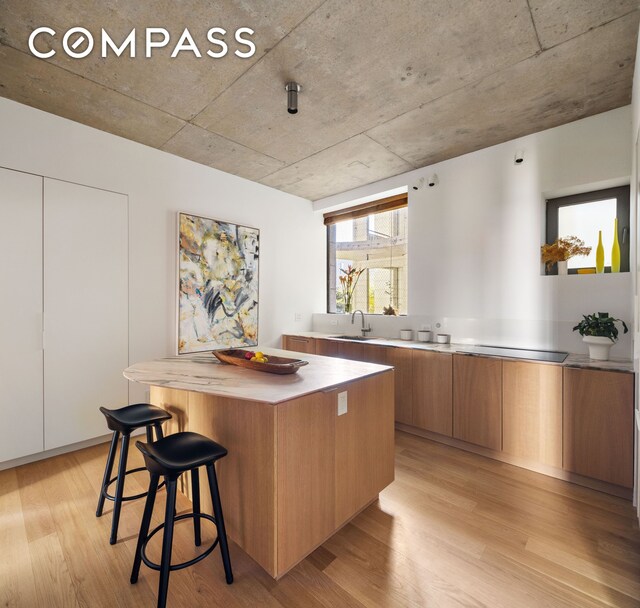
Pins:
x: 373, y: 353
x: 299, y: 344
x: 400, y: 359
x: 477, y: 400
x: 327, y: 348
x: 532, y: 411
x: 598, y: 425
x: 296, y: 471
x: 540, y: 416
x: 433, y: 392
x: 351, y: 350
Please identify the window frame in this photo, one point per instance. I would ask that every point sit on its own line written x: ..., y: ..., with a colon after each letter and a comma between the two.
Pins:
x: 374, y: 207
x: 623, y: 213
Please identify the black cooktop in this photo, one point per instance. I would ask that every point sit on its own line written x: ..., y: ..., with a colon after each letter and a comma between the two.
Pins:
x: 515, y: 353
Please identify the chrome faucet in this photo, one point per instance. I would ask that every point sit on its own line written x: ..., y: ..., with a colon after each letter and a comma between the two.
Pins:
x: 364, y: 330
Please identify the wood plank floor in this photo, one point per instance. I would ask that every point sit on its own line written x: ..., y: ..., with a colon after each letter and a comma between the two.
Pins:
x: 454, y: 529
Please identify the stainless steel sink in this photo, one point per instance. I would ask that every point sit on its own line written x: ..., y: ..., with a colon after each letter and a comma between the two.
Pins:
x: 356, y: 338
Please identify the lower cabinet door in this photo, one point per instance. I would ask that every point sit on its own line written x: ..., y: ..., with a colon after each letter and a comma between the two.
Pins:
x: 433, y: 392
x: 327, y: 348
x: 351, y: 350
x: 598, y: 425
x: 532, y: 411
x: 299, y: 344
x: 401, y: 359
x: 477, y: 400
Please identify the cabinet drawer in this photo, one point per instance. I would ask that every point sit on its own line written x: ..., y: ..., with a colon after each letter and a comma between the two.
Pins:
x: 299, y: 344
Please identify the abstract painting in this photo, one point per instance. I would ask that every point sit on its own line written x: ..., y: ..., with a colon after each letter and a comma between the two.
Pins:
x: 218, y: 284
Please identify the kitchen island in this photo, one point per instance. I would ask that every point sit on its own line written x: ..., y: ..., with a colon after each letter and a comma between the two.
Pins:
x: 307, y: 451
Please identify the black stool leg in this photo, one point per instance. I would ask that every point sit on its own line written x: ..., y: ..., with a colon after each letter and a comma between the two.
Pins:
x: 117, y: 503
x: 144, y: 525
x: 159, y: 434
x: 195, y: 493
x: 149, y: 434
x: 217, y: 513
x: 107, y: 472
x: 167, y: 541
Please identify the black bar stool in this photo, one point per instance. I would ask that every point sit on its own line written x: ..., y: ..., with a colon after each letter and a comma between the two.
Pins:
x: 123, y: 422
x: 169, y: 458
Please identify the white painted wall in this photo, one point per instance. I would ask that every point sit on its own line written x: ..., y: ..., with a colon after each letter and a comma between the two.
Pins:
x: 158, y: 186
x: 474, y: 239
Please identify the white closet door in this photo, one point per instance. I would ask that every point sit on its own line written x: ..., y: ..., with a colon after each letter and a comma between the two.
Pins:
x: 20, y: 314
x: 86, y: 309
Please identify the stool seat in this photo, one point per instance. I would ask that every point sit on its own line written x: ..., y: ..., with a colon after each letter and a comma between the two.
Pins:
x: 131, y: 417
x: 180, y: 452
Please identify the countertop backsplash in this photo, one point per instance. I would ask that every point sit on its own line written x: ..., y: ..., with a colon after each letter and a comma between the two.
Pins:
x: 517, y: 333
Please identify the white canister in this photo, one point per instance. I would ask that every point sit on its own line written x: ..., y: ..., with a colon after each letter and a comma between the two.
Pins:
x: 443, y: 338
x: 406, y: 334
x: 424, y: 335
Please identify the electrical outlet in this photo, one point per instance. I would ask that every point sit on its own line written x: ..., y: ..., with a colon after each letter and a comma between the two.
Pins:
x: 297, y: 316
x: 342, y: 403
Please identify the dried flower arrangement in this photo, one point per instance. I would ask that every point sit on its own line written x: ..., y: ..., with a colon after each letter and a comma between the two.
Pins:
x: 563, y: 249
x: 348, y: 283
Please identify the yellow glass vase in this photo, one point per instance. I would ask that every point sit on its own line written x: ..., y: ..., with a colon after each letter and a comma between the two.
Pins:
x: 600, y: 254
x: 615, y: 250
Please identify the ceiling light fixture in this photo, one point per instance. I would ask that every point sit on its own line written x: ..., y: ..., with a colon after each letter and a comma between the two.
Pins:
x: 292, y: 89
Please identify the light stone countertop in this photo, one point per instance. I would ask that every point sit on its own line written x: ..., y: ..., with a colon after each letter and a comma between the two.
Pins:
x: 203, y: 373
x: 573, y: 360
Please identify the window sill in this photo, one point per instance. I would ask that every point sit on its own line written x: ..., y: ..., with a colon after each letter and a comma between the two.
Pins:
x: 607, y: 271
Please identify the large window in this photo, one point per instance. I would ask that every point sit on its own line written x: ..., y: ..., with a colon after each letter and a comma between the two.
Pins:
x: 585, y: 215
x: 368, y: 243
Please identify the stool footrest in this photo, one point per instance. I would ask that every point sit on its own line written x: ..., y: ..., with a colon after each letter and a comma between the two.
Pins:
x: 112, y: 498
x: 191, y: 562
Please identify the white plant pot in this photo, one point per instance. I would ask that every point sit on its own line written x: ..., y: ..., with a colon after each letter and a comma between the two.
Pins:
x: 598, y: 347
x: 562, y: 267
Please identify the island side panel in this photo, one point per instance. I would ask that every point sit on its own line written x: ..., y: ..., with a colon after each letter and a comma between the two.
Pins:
x: 306, y: 465
x: 330, y: 467
x: 246, y: 476
x: 365, y: 445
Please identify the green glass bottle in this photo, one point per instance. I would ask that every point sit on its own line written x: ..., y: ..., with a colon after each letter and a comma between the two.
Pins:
x: 600, y: 254
x: 615, y: 250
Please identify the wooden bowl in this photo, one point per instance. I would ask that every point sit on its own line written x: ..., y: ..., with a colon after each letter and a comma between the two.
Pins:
x: 275, y: 365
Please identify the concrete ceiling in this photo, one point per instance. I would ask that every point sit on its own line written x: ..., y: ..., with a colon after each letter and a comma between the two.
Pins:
x: 388, y: 86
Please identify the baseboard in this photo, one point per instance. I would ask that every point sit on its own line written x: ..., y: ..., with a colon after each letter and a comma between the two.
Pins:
x: 65, y: 449
x: 587, y: 482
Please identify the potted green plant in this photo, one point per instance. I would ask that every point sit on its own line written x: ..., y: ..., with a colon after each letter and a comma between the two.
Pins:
x: 600, y: 333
